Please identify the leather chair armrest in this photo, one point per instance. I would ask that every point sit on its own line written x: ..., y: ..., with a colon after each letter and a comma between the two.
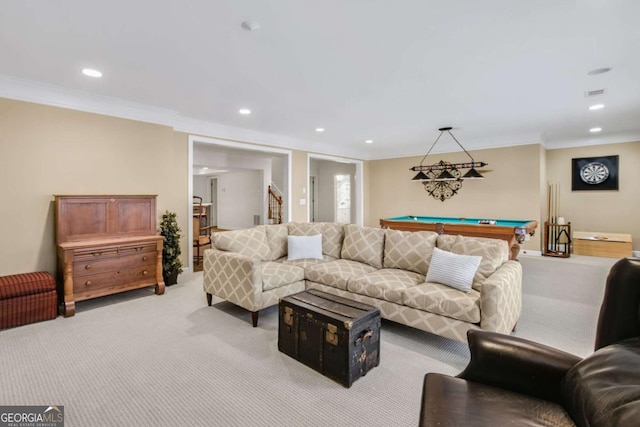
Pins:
x: 517, y: 364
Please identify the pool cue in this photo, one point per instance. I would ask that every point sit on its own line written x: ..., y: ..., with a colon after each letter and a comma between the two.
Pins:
x: 548, y: 233
x: 553, y: 218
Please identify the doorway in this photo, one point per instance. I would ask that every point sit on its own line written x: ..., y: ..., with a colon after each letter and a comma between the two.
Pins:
x: 335, y: 189
x: 239, y: 172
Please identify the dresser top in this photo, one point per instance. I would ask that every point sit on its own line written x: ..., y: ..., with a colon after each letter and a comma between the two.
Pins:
x: 97, y: 217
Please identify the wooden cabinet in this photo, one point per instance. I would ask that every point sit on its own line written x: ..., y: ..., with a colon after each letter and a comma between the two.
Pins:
x: 106, y: 244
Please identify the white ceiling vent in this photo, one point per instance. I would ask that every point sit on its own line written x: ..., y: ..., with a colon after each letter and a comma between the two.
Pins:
x: 596, y: 92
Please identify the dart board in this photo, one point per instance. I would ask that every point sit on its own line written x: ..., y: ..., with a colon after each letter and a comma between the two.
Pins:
x: 594, y: 173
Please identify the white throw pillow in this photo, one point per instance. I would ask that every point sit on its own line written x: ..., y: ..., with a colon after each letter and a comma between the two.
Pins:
x: 301, y: 247
x: 456, y: 271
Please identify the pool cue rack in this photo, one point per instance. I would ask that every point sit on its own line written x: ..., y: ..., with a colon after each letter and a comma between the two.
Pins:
x: 557, y: 233
x: 557, y: 240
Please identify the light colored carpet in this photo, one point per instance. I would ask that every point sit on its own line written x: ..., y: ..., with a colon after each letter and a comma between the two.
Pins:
x: 146, y: 360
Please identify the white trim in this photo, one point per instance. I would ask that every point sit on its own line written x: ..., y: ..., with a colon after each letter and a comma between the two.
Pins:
x: 358, y: 180
x: 636, y: 253
x: 58, y: 96
x: 236, y: 145
x: 529, y: 252
x: 190, y: 203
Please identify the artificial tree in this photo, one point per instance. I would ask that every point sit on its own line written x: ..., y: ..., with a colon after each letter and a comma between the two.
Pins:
x: 171, y: 264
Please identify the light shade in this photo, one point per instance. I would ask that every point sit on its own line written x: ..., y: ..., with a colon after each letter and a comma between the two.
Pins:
x: 445, y: 176
x: 472, y: 174
x: 420, y: 177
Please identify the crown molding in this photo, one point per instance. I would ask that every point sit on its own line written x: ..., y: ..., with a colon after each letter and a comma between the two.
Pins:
x: 615, y: 138
x: 56, y: 96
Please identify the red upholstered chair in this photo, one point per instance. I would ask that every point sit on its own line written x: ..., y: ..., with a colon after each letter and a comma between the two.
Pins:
x: 27, y: 298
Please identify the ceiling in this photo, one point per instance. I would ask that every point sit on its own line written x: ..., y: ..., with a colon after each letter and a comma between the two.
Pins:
x: 500, y: 72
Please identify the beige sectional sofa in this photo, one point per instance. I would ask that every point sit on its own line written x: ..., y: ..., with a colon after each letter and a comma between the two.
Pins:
x: 381, y: 267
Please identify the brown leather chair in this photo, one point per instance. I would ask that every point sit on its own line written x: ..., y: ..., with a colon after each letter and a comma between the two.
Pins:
x: 512, y: 381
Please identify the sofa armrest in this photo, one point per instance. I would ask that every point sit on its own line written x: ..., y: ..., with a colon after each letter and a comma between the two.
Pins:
x: 501, y: 298
x: 517, y: 364
x: 233, y: 277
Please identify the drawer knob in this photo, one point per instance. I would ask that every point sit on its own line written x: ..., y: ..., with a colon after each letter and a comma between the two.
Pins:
x: 145, y: 272
x: 87, y: 267
x: 144, y: 258
x: 88, y: 283
x: 97, y: 253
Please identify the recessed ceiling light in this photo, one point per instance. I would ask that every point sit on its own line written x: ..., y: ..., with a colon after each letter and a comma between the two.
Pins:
x: 319, y: 129
x: 598, y: 71
x: 369, y: 141
x: 244, y: 111
x: 91, y: 72
x: 596, y: 107
x: 594, y: 130
x: 204, y: 168
x: 251, y: 25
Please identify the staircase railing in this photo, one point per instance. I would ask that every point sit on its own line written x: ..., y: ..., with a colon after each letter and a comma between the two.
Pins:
x: 275, y: 207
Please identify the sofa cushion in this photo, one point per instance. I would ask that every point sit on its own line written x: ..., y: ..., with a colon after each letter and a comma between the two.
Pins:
x: 251, y: 242
x: 306, y: 262
x: 277, y: 237
x: 604, y: 388
x: 409, y: 250
x: 363, y: 244
x: 301, y: 247
x: 332, y: 238
x: 441, y: 299
x: 452, y: 269
x: 446, y: 241
x: 494, y: 253
x: 386, y: 284
x: 277, y: 274
x: 332, y: 235
x: 336, y: 273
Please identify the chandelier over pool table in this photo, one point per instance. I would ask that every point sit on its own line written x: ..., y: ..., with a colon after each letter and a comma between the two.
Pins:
x: 443, y: 180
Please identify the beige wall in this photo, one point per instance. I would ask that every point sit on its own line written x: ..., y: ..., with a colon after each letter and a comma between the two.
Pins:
x: 47, y: 151
x: 604, y: 211
x: 511, y: 190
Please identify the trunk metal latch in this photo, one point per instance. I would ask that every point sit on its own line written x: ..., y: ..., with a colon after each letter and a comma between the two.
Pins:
x: 330, y: 335
x: 288, y: 316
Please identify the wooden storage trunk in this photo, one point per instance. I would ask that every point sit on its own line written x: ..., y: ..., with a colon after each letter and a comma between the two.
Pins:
x: 610, y: 245
x: 337, y: 337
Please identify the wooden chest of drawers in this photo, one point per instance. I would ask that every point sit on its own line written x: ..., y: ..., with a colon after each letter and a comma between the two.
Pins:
x: 106, y: 244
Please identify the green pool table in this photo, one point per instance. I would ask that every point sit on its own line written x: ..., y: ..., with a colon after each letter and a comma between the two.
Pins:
x: 513, y: 231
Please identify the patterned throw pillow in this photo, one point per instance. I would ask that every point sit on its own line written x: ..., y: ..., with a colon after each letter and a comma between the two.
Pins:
x: 494, y: 253
x: 363, y: 244
x: 277, y: 237
x: 332, y: 234
x: 409, y: 250
x: 456, y: 271
x: 251, y: 242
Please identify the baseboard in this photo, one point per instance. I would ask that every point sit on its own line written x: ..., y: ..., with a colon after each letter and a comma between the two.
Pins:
x: 529, y: 252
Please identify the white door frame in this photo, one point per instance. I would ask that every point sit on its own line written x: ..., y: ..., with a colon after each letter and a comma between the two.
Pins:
x: 232, y: 144
x: 359, y: 200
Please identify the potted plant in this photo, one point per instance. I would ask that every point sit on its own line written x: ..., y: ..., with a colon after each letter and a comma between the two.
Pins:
x: 171, y: 264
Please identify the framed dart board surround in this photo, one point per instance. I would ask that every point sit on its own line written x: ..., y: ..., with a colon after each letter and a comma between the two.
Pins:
x: 594, y: 173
